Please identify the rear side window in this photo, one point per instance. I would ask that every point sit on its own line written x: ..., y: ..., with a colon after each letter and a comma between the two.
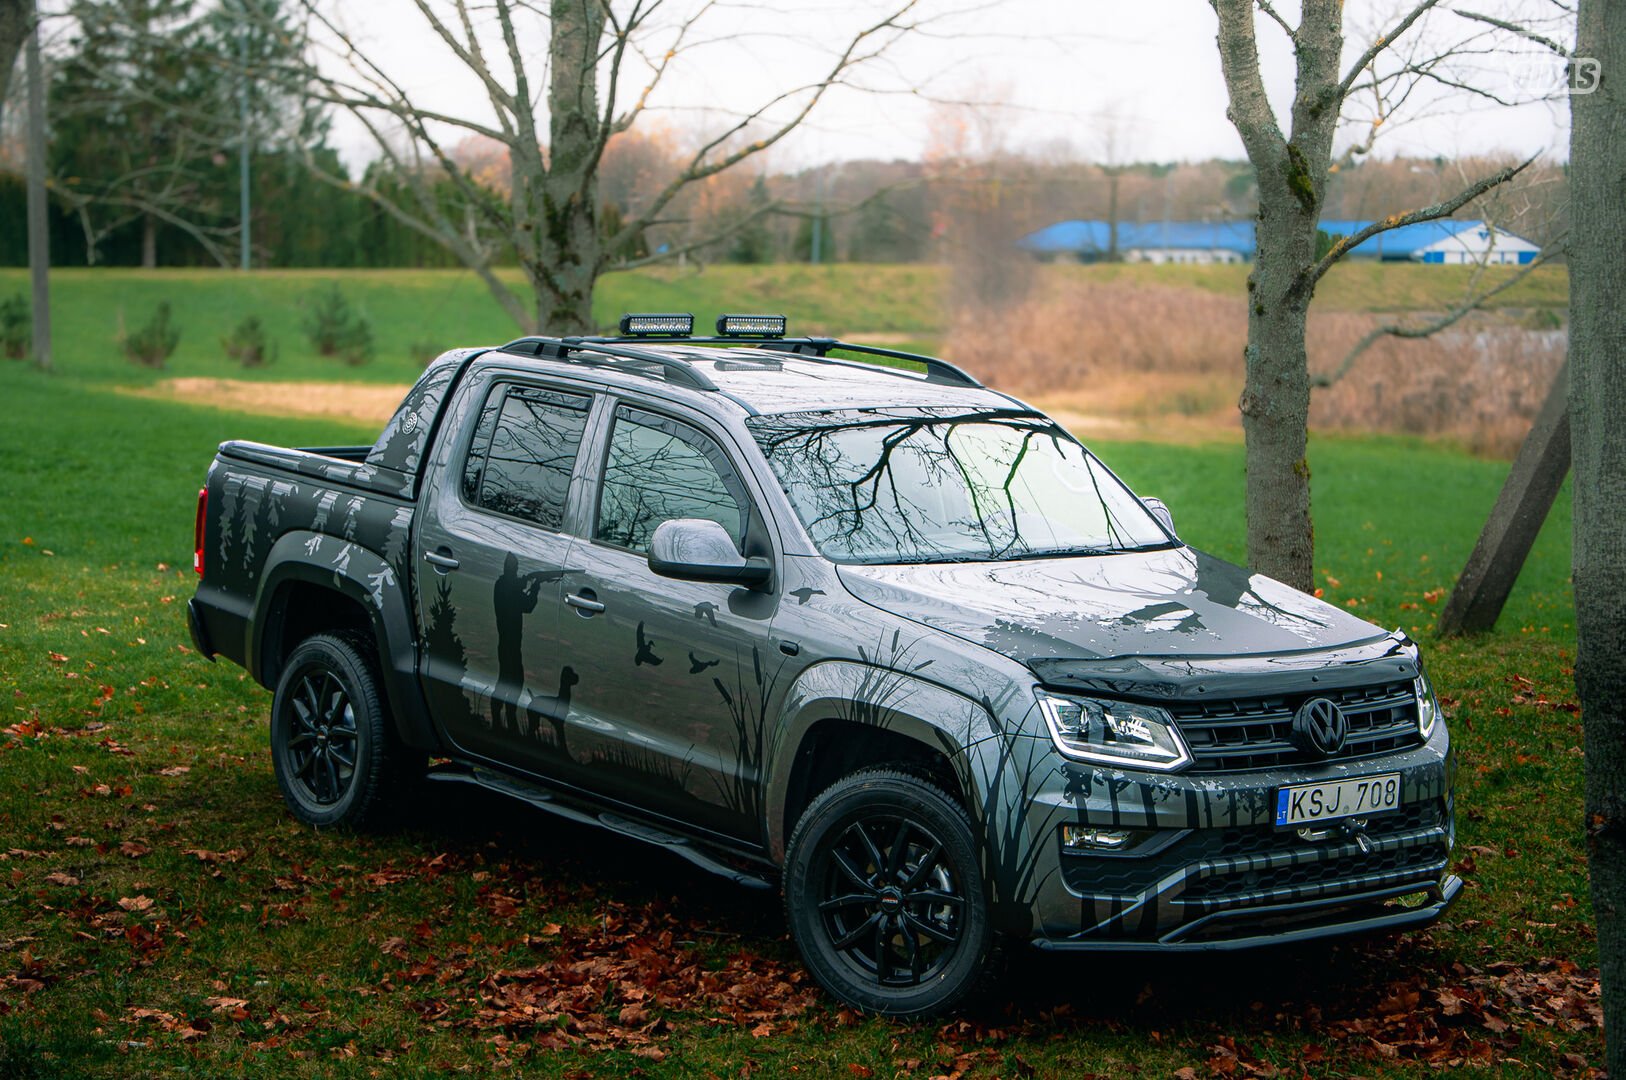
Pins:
x: 524, y: 452
x: 659, y: 470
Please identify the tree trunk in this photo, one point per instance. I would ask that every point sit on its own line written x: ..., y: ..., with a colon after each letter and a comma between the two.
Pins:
x: 1275, y: 402
x: 1291, y: 173
x: 1113, y: 177
x: 1598, y: 442
x: 569, y: 252
x: 39, y: 235
x: 149, y: 242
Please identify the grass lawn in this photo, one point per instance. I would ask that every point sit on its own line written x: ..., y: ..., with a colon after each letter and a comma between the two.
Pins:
x: 161, y: 914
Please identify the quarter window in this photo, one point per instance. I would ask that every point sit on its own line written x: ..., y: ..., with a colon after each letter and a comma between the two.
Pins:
x: 524, y: 452
x: 659, y: 470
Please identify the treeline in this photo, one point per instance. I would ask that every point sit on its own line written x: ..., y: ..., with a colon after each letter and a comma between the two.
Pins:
x: 150, y: 101
x: 298, y: 221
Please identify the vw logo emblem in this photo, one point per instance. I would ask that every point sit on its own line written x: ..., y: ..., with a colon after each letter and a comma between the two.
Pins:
x: 1320, y: 727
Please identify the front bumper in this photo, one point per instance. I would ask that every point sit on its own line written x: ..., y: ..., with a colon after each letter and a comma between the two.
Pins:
x: 1217, y: 873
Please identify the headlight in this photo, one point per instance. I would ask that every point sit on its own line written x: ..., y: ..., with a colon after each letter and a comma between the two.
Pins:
x: 1114, y: 732
x: 1428, y: 709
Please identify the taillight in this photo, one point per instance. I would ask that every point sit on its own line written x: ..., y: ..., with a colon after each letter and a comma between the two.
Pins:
x: 197, y: 530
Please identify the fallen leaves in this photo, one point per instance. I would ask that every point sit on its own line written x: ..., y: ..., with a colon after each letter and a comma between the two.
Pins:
x: 232, y: 856
x: 639, y: 959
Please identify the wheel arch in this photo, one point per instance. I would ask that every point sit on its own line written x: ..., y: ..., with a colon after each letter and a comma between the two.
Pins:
x: 842, y: 716
x: 359, y: 590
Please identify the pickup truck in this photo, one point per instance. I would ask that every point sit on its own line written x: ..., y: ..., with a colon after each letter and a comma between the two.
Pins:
x: 874, y: 633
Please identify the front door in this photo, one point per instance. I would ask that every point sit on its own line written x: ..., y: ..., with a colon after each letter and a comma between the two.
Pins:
x: 671, y: 705
x: 493, y: 552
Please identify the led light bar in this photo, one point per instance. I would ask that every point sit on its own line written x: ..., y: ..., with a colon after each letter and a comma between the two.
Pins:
x: 772, y: 326
x: 670, y: 325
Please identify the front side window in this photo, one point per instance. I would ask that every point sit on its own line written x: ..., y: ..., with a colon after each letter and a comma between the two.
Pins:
x: 523, y: 454
x: 659, y: 470
x: 948, y: 485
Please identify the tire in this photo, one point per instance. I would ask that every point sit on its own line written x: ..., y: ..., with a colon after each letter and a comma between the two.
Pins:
x: 334, y: 751
x: 884, y: 895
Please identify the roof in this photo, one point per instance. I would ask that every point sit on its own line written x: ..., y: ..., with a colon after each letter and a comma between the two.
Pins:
x: 773, y: 380
x: 1094, y: 236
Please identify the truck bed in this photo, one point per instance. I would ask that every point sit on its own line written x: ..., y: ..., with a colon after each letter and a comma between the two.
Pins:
x: 342, y: 465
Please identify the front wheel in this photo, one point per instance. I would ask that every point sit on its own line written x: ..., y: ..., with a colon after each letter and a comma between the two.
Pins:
x: 332, y: 749
x: 884, y: 895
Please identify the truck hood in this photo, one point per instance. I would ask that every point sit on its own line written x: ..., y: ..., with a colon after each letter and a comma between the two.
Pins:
x: 1155, y: 604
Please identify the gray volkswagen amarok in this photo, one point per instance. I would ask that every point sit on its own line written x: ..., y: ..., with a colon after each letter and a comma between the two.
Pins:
x: 880, y: 633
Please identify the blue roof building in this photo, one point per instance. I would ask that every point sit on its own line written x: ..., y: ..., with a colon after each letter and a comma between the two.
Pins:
x: 1436, y: 242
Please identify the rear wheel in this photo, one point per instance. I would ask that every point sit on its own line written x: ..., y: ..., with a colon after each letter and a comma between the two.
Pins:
x: 334, y: 754
x: 884, y: 895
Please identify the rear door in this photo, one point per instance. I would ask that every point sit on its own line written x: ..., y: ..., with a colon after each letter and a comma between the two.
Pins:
x: 493, y: 549
x: 670, y: 710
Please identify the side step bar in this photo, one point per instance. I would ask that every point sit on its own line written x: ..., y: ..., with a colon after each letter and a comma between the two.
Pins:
x: 544, y: 799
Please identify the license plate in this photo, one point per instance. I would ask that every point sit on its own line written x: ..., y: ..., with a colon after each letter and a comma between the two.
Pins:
x: 1306, y: 803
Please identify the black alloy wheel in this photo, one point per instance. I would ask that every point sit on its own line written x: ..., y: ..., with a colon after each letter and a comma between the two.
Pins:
x: 333, y: 747
x: 322, y: 747
x: 884, y: 895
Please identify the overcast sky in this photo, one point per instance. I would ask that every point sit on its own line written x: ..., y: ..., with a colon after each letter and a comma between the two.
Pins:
x: 1057, y: 75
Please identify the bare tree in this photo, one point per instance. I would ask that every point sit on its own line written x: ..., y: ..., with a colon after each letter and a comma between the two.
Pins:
x: 555, y: 135
x: 1597, y: 402
x: 1291, y: 167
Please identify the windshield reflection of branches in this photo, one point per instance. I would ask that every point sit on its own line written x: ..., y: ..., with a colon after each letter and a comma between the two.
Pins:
x: 934, y: 485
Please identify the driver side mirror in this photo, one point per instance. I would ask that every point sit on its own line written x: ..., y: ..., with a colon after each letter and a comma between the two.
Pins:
x: 694, y: 549
x: 1161, y: 511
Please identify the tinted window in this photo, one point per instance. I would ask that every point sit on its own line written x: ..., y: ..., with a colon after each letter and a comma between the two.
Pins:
x: 659, y: 470
x: 523, y: 453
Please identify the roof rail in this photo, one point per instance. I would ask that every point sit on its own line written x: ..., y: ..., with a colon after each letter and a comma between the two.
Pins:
x: 937, y: 371
x: 571, y: 350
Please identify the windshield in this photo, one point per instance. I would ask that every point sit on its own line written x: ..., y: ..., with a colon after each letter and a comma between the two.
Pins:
x: 948, y: 485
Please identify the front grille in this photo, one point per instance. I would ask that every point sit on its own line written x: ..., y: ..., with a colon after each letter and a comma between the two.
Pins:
x: 1317, y: 878
x: 1227, y: 866
x: 1252, y: 733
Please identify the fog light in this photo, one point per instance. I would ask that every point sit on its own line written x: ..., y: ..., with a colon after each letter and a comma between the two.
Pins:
x: 1095, y: 838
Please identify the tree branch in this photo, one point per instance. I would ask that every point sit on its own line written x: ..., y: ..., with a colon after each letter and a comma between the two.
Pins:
x: 1450, y: 318
x: 1382, y: 42
x: 1249, y: 107
x: 1513, y: 28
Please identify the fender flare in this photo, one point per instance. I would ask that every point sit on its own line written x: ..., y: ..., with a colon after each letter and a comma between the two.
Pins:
x: 361, y: 575
x: 940, y: 719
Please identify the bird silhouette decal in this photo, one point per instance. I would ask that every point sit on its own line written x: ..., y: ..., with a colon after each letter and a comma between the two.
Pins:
x: 646, y: 650
x: 804, y: 594
x: 706, y: 610
x: 697, y: 665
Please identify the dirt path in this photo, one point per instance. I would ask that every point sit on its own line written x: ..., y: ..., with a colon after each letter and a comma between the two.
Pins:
x: 363, y: 403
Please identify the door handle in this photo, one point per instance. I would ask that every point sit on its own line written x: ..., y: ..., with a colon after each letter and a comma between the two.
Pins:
x: 584, y: 603
x: 442, y: 559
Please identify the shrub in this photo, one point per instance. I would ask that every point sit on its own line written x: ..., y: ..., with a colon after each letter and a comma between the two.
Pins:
x: 421, y: 352
x: 335, y: 329
x: 155, y: 342
x: 16, y: 332
x: 248, y: 345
